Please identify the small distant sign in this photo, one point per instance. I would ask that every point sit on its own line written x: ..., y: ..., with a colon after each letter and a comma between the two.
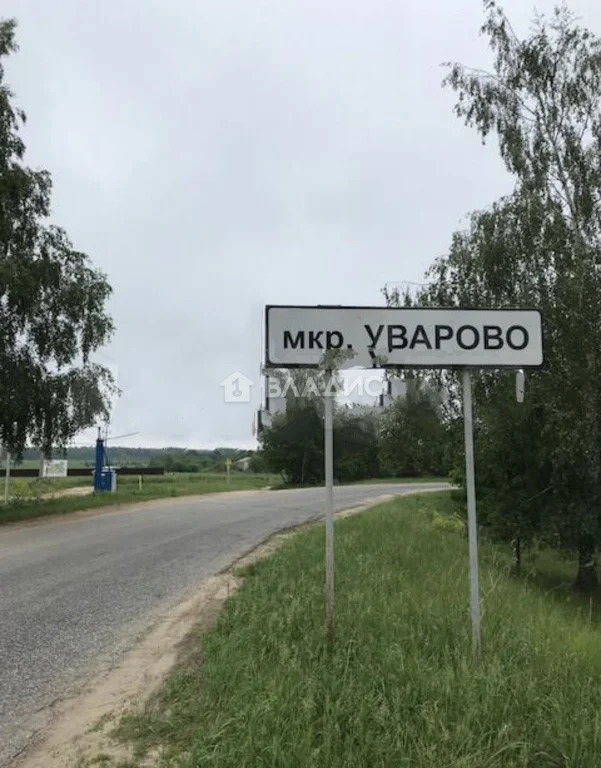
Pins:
x: 55, y: 468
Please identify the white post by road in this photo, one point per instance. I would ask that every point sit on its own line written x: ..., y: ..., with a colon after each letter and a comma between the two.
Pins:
x: 471, y: 511
x: 329, y: 481
x: 7, y: 477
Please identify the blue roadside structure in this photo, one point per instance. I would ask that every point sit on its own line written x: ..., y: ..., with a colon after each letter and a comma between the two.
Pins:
x: 105, y: 477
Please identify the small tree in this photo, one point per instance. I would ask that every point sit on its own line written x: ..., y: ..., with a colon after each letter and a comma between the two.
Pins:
x: 356, y: 445
x: 257, y: 462
x: 540, y: 246
x: 413, y: 434
x: 293, y: 444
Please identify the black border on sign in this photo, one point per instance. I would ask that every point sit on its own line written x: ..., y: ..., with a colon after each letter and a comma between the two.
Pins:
x: 399, y: 366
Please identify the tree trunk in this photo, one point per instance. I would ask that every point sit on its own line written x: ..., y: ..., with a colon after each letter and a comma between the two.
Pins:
x: 516, y: 546
x: 586, y: 579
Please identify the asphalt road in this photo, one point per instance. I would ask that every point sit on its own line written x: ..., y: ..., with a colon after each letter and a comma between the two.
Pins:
x: 75, y: 590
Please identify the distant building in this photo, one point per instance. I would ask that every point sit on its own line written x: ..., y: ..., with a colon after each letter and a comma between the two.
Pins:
x: 244, y: 464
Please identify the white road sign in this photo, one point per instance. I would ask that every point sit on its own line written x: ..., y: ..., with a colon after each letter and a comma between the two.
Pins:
x: 298, y: 337
x: 55, y: 468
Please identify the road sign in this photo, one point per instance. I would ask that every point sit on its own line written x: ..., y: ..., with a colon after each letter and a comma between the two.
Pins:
x: 298, y: 337
x: 405, y: 337
x: 54, y: 468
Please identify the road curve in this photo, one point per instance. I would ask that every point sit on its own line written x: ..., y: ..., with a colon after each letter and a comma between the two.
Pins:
x: 77, y: 589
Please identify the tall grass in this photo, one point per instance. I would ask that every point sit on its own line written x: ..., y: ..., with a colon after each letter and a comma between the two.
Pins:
x: 31, y: 487
x: 400, y: 689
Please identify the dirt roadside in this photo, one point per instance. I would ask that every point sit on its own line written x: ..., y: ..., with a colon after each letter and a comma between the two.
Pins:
x: 78, y: 490
x: 80, y: 726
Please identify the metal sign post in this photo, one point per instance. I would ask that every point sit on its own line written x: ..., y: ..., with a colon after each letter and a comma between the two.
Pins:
x: 468, y: 428
x: 329, y: 485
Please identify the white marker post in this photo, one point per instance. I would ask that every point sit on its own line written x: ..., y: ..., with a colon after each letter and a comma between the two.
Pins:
x: 329, y: 484
x: 7, y: 477
x: 519, y: 386
x: 470, y: 483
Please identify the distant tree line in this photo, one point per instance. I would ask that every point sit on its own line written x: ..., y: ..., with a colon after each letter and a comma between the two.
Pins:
x: 200, y: 460
x: 172, y: 459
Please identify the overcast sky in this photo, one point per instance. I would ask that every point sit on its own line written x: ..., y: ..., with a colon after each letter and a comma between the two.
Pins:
x: 215, y: 156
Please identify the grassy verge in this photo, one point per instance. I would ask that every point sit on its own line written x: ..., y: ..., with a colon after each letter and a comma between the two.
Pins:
x: 30, y: 487
x: 400, y: 688
x: 153, y: 487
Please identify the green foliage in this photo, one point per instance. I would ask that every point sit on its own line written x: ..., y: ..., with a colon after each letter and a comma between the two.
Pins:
x: 52, y: 308
x: 407, y: 439
x: 413, y: 434
x: 257, y: 462
x: 356, y: 445
x: 294, y: 444
x: 539, y: 246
